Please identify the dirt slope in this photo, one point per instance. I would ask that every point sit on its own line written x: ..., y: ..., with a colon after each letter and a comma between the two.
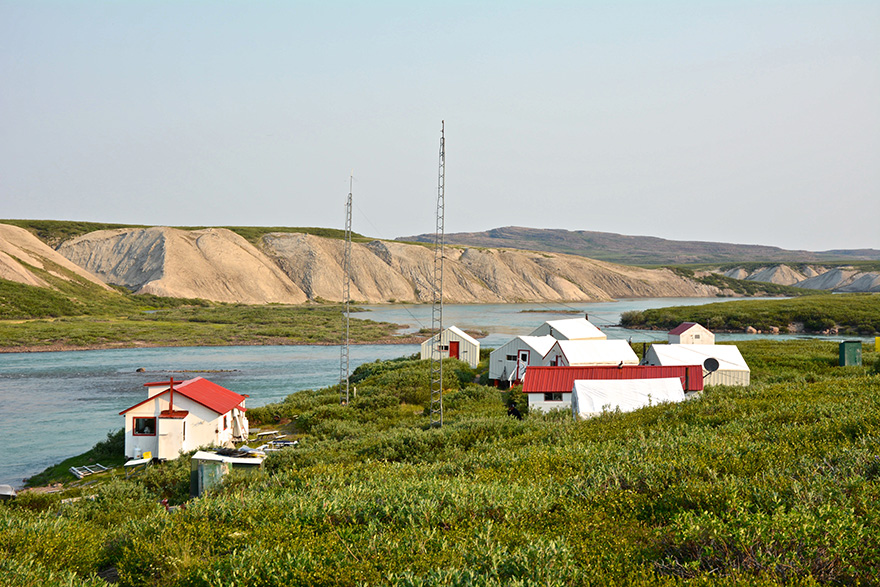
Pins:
x: 18, y: 246
x: 779, y: 274
x: 214, y: 264
x: 383, y: 271
x: 843, y: 279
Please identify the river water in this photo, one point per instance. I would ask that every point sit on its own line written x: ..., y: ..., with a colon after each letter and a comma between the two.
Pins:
x: 58, y: 404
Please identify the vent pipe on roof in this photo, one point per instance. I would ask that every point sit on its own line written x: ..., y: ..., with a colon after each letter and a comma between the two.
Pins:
x: 171, y: 400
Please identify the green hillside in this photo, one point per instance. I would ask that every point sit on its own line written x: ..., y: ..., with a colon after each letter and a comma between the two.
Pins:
x: 774, y: 484
x: 857, y: 313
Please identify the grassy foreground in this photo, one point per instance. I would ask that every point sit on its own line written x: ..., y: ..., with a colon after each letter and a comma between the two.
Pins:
x: 775, y: 484
x: 857, y: 313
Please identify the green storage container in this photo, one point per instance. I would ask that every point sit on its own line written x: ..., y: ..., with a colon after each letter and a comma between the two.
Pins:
x: 850, y: 353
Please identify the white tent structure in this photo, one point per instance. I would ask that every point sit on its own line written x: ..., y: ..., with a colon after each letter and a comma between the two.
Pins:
x: 579, y: 353
x: 732, y: 368
x: 569, y: 329
x: 456, y: 344
x: 507, y: 363
x: 592, y: 397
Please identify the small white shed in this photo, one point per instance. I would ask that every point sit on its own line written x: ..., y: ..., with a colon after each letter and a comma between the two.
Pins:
x: 592, y: 397
x: 569, y: 329
x: 456, y: 344
x: 180, y: 416
x: 507, y: 363
x: 732, y: 368
x: 207, y: 469
x: 690, y: 333
x: 577, y: 353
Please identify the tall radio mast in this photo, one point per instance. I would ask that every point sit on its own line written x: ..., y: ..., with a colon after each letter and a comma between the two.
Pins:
x: 437, y: 289
x: 346, y: 301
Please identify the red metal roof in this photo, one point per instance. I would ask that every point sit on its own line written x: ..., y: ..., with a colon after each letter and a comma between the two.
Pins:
x: 682, y: 328
x: 202, y: 391
x: 561, y: 379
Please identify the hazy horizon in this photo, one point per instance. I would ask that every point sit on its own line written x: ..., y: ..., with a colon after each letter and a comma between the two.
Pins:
x: 736, y: 122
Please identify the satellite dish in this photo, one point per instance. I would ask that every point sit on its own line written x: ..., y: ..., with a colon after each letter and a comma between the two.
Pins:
x: 711, y: 364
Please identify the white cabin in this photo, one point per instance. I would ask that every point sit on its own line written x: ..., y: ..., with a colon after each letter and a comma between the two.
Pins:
x: 454, y: 344
x: 690, y: 333
x: 569, y: 329
x: 732, y: 368
x: 507, y: 363
x: 183, y: 416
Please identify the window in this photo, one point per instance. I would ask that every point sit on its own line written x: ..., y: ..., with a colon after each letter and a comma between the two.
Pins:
x: 511, y: 357
x: 224, y: 423
x: 552, y: 397
x: 696, y: 337
x: 184, y: 430
x: 144, y: 427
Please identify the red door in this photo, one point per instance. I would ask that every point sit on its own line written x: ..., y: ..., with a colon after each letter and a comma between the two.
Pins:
x: 453, y: 349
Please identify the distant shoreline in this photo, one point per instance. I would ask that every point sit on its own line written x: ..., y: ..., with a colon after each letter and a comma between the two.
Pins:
x: 54, y: 348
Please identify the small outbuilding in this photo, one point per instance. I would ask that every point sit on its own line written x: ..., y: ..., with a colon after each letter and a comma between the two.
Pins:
x: 574, y: 353
x: 507, y: 363
x: 207, y: 469
x: 454, y: 344
x: 569, y: 329
x: 731, y: 367
x: 591, y: 397
x: 180, y: 416
x: 690, y: 333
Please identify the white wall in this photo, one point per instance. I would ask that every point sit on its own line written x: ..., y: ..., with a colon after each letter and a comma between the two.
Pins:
x: 722, y: 377
x: 499, y: 364
x: 537, y: 403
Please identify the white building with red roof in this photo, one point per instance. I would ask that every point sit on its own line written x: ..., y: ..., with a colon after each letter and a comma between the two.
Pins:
x: 690, y: 333
x: 180, y: 416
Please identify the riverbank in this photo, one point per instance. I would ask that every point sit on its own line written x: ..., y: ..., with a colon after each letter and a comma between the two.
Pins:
x: 401, y: 340
x: 193, y: 326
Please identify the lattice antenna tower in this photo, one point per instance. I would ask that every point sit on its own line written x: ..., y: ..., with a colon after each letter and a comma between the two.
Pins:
x: 437, y: 288
x: 344, y: 371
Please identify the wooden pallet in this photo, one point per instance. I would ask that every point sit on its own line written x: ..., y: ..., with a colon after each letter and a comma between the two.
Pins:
x: 86, y: 470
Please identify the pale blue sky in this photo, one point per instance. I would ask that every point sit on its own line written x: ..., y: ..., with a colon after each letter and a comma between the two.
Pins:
x: 748, y: 122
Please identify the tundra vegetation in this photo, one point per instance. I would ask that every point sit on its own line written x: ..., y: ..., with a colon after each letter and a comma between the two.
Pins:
x: 80, y: 314
x: 857, y: 313
x: 777, y: 483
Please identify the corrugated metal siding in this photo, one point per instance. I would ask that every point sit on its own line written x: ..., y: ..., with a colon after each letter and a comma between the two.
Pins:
x: 722, y: 377
x: 561, y: 379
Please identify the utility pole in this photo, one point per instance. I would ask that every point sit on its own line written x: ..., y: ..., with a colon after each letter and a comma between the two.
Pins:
x: 437, y: 290
x: 346, y: 301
